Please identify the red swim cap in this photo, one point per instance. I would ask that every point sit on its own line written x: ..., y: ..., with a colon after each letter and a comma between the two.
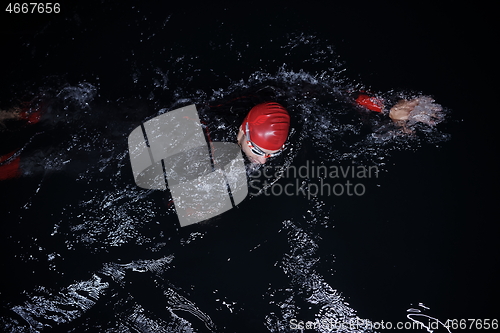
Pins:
x: 268, y: 124
x: 371, y: 103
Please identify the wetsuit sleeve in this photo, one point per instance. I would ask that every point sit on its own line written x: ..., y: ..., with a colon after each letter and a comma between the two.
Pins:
x: 31, y: 116
x: 377, y: 104
x: 9, y: 166
x: 370, y: 102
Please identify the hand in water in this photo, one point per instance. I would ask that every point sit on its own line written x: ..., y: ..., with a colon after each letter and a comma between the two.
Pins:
x: 422, y: 109
x: 401, y: 111
x: 427, y: 112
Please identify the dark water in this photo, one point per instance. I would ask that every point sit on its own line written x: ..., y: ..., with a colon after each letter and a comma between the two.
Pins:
x: 85, y: 249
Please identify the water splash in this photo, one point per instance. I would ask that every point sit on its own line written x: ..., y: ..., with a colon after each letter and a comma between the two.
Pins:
x: 307, y: 288
x: 424, y: 321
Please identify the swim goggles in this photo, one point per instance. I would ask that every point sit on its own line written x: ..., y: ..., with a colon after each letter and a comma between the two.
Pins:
x: 256, y: 150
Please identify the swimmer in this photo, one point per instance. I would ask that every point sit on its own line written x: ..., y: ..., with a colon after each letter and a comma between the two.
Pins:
x: 264, y: 132
x: 265, y: 129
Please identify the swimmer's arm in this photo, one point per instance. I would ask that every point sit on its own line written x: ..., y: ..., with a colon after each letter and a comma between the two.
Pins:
x: 430, y: 113
x: 399, y: 112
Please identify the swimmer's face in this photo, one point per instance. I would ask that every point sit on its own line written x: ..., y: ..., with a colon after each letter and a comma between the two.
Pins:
x: 254, y: 158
